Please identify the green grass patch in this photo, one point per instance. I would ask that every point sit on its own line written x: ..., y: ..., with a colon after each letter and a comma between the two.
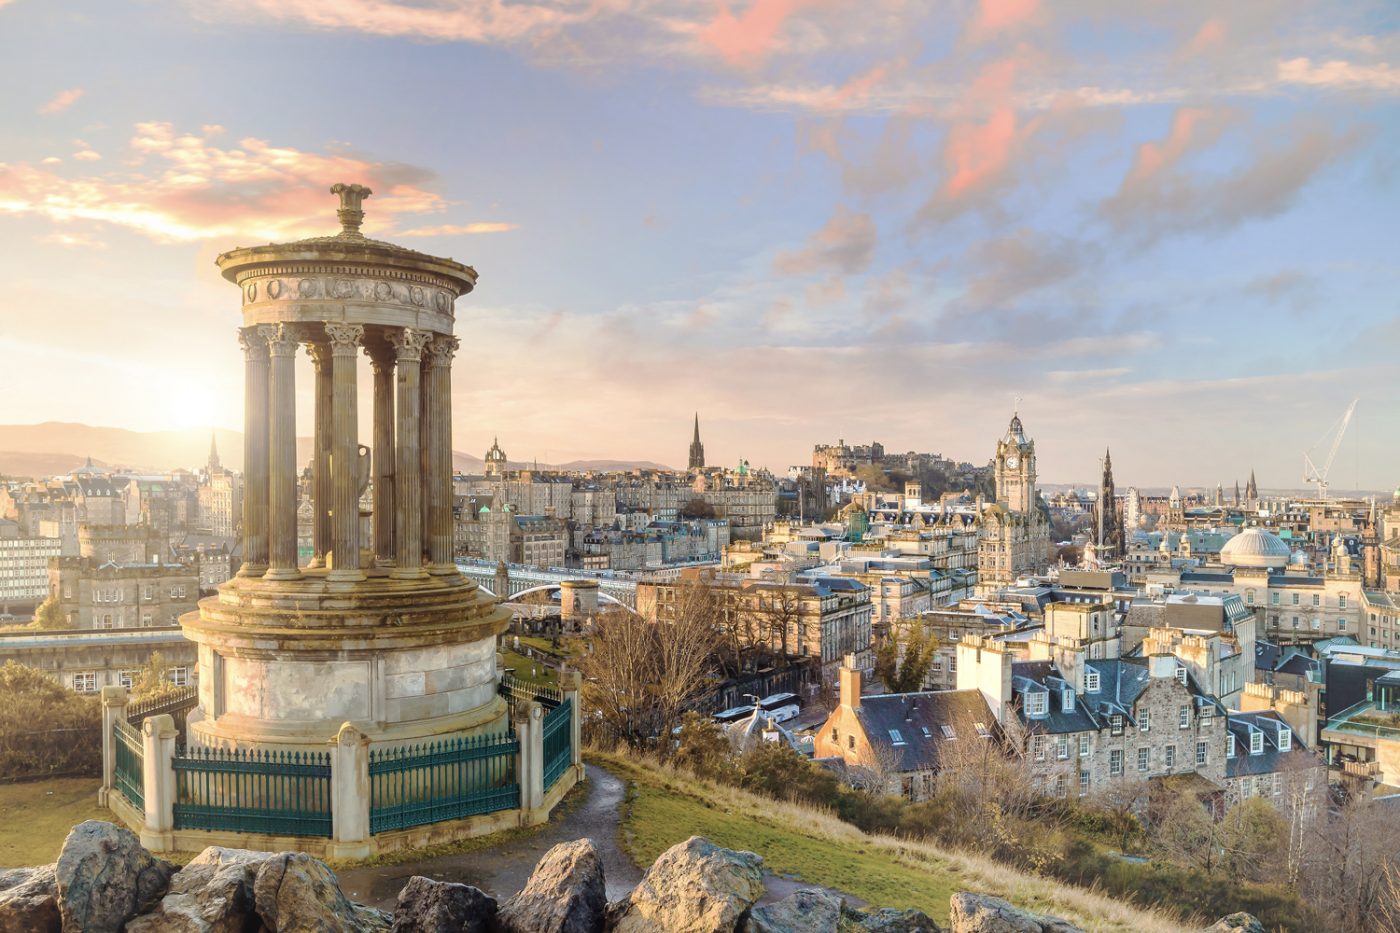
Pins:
x: 528, y: 671
x: 659, y: 814
x: 35, y: 817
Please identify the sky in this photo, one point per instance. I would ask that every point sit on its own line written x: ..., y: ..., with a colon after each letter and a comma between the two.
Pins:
x: 1165, y: 228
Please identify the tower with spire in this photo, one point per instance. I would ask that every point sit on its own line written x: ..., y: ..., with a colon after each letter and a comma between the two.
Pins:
x: 697, y: 449
x: 1251, y: 492
x: 1108, y: 525
x: 214, y: 465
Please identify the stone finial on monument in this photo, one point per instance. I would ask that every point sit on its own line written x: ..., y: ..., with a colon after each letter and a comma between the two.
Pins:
x: 351, y: 214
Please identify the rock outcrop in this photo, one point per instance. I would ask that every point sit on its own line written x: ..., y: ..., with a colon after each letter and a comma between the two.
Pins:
x: 889, y: 920
x: 1238, y: 922
x: 211, y: 894
x: 979, y: 913
x: 428, y: 906
x: 566, y: 893
x: 29, y: 900
x: 694, y: 887
x: 106, y: 877
x: 295, y: 893
x: 801, y: 911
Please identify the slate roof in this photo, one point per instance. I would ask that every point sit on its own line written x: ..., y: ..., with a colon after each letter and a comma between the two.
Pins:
x: 1121, y: 682
x: 1033, y: 675
x: 918, y: 720
x: 1266, y: 655
x: 1241, y: 725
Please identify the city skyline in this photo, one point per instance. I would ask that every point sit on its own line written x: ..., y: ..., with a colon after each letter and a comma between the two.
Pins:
x: 805, y: 223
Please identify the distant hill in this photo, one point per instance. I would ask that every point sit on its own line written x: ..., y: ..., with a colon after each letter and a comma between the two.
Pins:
x: 57, y: 447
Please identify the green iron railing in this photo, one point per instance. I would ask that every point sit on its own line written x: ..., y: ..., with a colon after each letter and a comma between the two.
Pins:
x: 445, y: 780
x: 177, y: 704
x: 130, y: 759
x: 272, y: 792
x: 558, y: 742
x: 516, y: 689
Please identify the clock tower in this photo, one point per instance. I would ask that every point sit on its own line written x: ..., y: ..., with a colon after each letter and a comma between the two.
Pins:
x: 1015, y: 469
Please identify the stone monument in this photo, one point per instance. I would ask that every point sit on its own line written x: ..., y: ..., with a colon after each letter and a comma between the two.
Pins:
x: 384, y: 634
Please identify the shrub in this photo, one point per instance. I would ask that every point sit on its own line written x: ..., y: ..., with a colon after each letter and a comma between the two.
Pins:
x: 45, y: 729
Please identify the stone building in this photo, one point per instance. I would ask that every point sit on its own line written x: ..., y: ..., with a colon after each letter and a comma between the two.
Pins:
x: 220, y: 497
x: 1015, y: 538
x: 86, y: 661
x: 1267, y: 758
x: 105, y: 594
x: 24, y: 566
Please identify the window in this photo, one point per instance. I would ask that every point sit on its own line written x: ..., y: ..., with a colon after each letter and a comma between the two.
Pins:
x: 1036, y: 703
x: 1256, y: 742
x: 1202, y: 754
x: 835, y: 736
x: 1285, y: 739
x: 1170, y: 753
x: 1083, y: 781
x: 1144, y: 758
x: 107, y: 620
x: 148, y: 592
x: 1115, y: 724
x: 1091, y: 681
x: 1341, y: 600
x: 85, y: 682
x: 850, y: 741
x: 1230, y: 748
x: 1061, y: 785
x: 1084, y: 745
x: 1317, y: 600
x: 1273, y: 599
x: 1207, y: 716
x: 1249, y: 597
x: 1062, y: 748
x: 1144, y: 720
x: 1341, y: 625
x: 1183, y: 718
x: 1278, y: 783
x: 1295, y: 599
x: 1067, y: 700
x: 127, y: 678
x: 1038, y: 747
x: 1115, y: 762
x: 948, y: 732
x: 146, y: 619
x: 981, y: 730
x: 896, y: 738
x: 1181, y: 675
x: 938, y: 665
x: 927, y: 734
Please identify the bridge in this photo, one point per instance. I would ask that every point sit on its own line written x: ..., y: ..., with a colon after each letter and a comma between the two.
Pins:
x: 612, y: 586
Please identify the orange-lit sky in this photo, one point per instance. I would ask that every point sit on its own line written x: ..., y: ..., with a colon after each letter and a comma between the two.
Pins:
x: 1169, y: 228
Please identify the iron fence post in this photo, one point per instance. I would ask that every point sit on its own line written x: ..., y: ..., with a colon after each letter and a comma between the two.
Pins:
x: 114, y: 700
x: 350, y: 794
x: 158, y: 782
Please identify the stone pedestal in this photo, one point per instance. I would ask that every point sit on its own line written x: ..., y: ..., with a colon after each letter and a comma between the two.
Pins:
x: 350, y: 796
x: 529, y: 728
x: 158, y: 777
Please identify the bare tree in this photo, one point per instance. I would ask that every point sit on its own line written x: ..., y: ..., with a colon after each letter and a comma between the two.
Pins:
x: 779, y: 611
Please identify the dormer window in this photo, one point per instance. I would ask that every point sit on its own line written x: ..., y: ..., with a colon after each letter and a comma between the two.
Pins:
x: 1036, y: 703
x: 1230, y: 749
x: 1181, y: 675
x: 1091, y: 681
x: 1285, y: 738
x: 1256, y: 742
x: 1067, y: 700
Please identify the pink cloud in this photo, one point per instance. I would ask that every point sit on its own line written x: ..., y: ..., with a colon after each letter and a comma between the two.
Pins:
x: 845, y: 245
x: 61, y: 101
x: 996, y: 16
x: 459, y: 229
x: 746, y: 39
x: 1210, y: 36
x: 1339, y: 75
x: 487, y: 21
x: 186, y: 187
x: 1192, y: 127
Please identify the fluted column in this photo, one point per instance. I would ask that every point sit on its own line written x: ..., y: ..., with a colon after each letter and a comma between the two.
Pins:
x: 254, y: 452
x: 381, y: 362
x: 345, y: 340
x: 282, y: 452
x: 439, y: 474
x: 321, y: 495
x: 408, y: 477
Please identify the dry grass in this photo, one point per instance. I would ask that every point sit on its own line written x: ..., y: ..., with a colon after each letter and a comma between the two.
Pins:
x: 35, y: 817
x: 810, y: 842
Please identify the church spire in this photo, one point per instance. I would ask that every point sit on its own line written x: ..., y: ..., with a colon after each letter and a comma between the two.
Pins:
x: 697, y: 449
x: 214, y: 465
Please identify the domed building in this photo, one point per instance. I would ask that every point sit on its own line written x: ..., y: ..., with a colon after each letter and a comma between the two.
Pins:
x: 1255, y: 547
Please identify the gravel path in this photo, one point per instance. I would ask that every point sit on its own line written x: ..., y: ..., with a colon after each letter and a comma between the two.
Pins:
x: 502, y: 870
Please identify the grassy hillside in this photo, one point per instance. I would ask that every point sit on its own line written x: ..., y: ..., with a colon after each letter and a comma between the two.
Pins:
x: 35, y: 817
x: 664, y: 808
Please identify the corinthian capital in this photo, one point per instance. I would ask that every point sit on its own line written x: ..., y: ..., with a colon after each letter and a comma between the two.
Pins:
x: 254, y: 344
x: 409, y: 343
x: 442, y: 349
x: 282, y: 339
x: 345, y: 338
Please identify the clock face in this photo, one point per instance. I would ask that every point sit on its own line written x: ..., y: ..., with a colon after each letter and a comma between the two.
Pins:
x: 1013, y: 462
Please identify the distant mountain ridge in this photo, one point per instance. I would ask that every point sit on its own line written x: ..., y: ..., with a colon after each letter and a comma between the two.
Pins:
x: 56, y: 447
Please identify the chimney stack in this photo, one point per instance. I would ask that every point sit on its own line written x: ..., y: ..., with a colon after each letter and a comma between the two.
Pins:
x: 850, y: 683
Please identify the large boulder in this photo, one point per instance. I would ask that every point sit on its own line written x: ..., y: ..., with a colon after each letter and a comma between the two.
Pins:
x: 694, y: 887
x: 566, y: 893
x: 1237, y: 922
x: 29, y: 900
x: 979, y: 913
x: 807, y: 911
x: 889, y: 920
x: 428, y: 906
x: 213, y: 893
x: 106, y: 877
x: 295, y: 893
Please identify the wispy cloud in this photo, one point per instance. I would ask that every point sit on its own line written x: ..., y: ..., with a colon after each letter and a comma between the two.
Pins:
x: 845, y: 245
x: 1339, y: 75
x: 458, y: 229
x: 61, y: 101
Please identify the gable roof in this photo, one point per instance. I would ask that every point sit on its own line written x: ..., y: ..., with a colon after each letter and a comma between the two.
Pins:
x: 907, y: 728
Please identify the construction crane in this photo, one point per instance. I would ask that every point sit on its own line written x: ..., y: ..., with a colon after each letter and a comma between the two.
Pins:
x: 1311, y: 472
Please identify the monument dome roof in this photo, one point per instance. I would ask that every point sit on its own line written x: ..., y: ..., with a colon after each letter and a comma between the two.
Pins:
x: 1255, y: 547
